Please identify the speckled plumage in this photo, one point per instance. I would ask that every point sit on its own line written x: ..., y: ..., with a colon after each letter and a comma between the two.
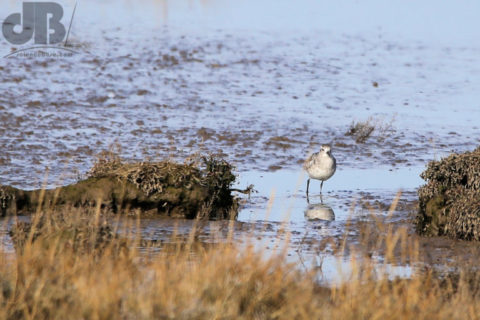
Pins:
x: 320, y: 166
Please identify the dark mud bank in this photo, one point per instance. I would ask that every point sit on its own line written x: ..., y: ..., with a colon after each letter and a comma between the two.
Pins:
x: 199, y: 188
x: 449, y: 204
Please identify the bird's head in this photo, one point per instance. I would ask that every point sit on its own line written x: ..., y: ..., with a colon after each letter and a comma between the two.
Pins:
x: 326, y: 149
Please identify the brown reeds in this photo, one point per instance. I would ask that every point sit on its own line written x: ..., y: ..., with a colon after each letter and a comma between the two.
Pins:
x: 62, y: 273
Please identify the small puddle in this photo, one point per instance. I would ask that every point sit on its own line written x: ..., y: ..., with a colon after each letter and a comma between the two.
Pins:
x: 337, y: 270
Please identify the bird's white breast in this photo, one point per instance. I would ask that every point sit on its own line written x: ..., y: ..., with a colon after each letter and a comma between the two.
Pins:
x: 321, y: 167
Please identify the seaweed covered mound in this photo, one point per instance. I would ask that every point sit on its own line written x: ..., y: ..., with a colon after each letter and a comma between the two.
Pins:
x: 449, y: 204
x: 198, y: 188
x: 5, y: 198
x: 9, y: 196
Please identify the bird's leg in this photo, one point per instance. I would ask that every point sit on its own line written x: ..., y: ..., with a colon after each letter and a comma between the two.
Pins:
x: 321, y: 198
x: 308, y: 183
x: 321, y: 186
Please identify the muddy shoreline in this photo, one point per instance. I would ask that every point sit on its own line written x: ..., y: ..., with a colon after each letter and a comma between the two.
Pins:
x: 234, y: 96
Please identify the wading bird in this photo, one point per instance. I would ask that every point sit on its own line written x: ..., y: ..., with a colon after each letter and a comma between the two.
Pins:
x: 320, y: 166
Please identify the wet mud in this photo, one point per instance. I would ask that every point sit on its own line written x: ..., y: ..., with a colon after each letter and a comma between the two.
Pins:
x: 261, y: 105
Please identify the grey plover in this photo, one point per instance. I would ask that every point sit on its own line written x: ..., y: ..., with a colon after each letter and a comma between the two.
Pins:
x: 319, y: 211
x: 320, y: 166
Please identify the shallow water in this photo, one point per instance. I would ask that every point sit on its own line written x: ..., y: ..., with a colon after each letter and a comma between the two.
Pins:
x: 286, y: 189
x: 262, y: 83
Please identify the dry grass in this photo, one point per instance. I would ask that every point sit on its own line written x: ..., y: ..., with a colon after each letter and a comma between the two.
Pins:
x: 53, y: 279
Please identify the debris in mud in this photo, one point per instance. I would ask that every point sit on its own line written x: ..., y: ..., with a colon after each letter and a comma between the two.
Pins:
x: 199, y: 188
x: 361, y: 131
x: 450, y: 201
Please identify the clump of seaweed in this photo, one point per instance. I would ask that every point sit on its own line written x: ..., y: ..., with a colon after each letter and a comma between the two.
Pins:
x: 7, y: 198
x: 449, y: 204
x: 150, y: 177
x: 361, y: 131
x: 206, y: 179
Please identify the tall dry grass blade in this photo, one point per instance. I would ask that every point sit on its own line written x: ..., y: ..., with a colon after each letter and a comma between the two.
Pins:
x: 347, y: 226
x: 268, y: 210
x: 231, y: 230
x: 192, y: 235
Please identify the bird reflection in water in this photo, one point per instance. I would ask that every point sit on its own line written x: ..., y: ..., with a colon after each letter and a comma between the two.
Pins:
x: 319, y: 211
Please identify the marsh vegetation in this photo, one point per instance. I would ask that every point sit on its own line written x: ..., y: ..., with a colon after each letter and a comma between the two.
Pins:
x: 72, y: 265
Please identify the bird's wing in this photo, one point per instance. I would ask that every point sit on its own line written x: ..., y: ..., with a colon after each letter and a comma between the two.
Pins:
x: 310, y: 161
